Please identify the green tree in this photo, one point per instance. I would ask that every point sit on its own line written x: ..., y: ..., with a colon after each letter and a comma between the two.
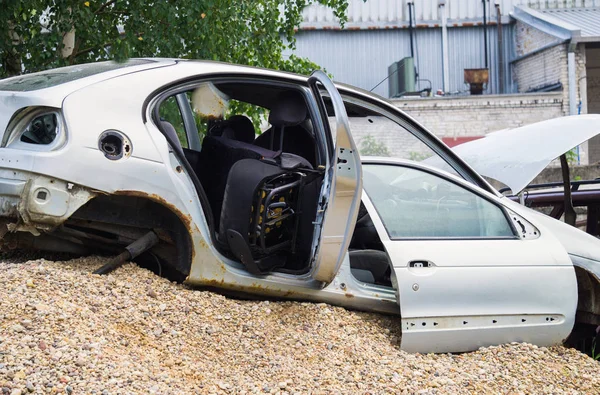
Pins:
x: 369, y: 146
x: 41, y: 34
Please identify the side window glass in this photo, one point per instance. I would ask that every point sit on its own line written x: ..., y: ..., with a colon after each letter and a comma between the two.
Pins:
x: 416, y: 204
x: 169, y: 112
x: 376, y: 135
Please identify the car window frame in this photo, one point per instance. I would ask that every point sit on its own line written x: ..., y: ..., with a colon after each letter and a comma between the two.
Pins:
x: 150, y: 114
x: 447, y: 177
x: 376, y: 103
x: 322, y: 140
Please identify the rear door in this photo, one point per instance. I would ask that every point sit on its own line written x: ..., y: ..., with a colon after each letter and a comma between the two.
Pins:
x: 468, y: 272
x: 340, y: 197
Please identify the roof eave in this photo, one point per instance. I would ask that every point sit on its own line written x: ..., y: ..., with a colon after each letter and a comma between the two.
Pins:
x: 547, y: 23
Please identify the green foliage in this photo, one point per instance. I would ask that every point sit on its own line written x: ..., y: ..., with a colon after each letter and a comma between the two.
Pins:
x: 571, y: 157
x: 247, y: 32
x: 371, y: 147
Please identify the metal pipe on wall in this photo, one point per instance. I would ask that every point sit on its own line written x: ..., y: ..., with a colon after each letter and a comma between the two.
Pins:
x: 410, y: 29
x: 485, y: 43
x: 445, y: 62
x: 500, y: 49
x: 571, y: 78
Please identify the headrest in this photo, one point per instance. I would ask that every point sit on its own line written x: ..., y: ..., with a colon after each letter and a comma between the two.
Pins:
x: 289, y: 109
x: 238, y: 127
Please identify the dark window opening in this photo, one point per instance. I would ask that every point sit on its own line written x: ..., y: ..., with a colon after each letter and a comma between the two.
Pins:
x: 42, y: 130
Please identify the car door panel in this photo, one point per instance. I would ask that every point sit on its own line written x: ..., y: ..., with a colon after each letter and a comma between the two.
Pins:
x: 339, y: 208
x: 461, y: 294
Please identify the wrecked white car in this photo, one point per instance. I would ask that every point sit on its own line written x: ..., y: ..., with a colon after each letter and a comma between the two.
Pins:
x: 156, y: 161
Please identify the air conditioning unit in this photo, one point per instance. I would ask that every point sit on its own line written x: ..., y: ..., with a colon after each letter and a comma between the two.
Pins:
x: 402, y: 77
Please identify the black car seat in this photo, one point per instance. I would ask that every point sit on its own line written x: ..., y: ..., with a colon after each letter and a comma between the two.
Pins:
x: 298, y: 139
x: 261, y: 210
x: 236, y: 127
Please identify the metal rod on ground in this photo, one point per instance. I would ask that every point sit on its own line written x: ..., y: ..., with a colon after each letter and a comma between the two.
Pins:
x: 133, y: 250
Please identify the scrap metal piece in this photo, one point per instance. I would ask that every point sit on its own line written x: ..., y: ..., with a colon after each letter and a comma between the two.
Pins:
x: 133, y: 250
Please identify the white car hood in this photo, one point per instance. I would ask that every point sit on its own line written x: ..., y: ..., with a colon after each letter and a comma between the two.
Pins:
x: 516, y: 156
x: 583, y: 249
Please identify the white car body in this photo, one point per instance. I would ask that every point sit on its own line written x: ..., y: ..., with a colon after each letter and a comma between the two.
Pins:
x: 468, y: 293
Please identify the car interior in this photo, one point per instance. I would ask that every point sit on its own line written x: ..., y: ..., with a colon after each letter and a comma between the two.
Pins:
x: 263, y: 189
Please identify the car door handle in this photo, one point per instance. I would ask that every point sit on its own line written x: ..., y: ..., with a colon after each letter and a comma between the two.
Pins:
x: 420, y: 263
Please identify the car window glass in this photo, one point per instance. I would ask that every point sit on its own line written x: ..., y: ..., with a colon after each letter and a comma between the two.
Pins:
x: 169, y: 112
x: 416, y: 204
x: 377, y: 134
x: 50, y: 78
x: 380, y: 136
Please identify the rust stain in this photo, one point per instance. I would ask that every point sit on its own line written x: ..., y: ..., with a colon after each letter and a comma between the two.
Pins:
x: 186, y: 219
x: 348, y: 295
x: 253, y: 289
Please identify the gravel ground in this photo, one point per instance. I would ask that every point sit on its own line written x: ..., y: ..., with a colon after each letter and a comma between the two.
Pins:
x: 64, y: 330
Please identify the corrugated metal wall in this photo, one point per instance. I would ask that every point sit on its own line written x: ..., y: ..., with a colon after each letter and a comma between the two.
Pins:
x: 361, y: 58
x: 395, y: 12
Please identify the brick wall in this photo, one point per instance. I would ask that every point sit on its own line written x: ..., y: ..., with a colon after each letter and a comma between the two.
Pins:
x: 548, y: 66
x: 544, y: 68
x: 529, y: 39
x: 478, y: 115
x: 593, y: 96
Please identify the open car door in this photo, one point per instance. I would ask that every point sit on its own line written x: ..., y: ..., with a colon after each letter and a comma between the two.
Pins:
x: 340, y: 196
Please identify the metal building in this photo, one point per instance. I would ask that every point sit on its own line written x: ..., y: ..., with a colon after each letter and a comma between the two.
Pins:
x: 378, y: 33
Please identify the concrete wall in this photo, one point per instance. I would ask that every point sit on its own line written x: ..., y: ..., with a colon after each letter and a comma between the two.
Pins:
x: 477, y: 115
x: 554, y: 174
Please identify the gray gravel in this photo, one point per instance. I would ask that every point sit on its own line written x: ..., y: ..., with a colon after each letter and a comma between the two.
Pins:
x: 64, y: 330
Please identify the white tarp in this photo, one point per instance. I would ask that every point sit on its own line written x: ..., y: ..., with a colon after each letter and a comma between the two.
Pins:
x: 516, y: 156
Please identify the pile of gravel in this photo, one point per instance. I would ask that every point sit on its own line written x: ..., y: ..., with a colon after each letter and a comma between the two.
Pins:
x: 64, y: 330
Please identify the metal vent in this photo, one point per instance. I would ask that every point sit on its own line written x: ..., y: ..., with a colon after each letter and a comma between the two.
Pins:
x: 402, y: 77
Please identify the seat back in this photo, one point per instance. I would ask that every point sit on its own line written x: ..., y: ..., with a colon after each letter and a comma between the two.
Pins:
x: 217, y: 157
x: 261, y: 213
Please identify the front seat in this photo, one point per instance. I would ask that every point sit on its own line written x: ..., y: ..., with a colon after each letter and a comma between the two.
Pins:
x: 263, y: 199
x: 294, y: 138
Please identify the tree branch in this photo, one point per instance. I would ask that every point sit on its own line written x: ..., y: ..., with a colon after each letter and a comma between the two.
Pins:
x: 103, y: 6
x: 90, y: 49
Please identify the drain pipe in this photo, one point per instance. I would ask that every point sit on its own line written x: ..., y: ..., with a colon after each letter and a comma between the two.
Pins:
x: 446, y: 71
x: 500, y: 49
x: 485, y: 39
x: 571, y: 77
